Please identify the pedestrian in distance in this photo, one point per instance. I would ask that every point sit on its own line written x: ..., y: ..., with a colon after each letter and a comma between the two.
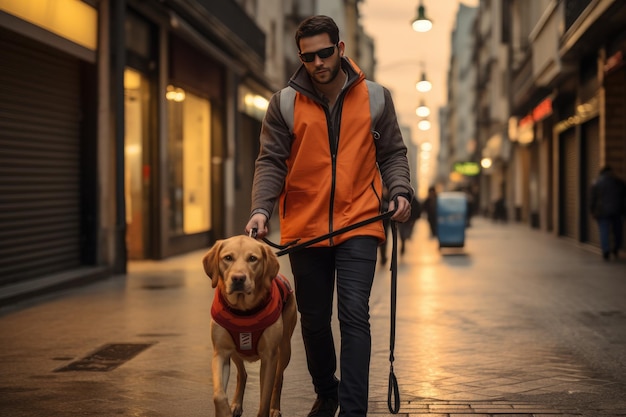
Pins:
x: 328, y: 173
x: 608, y: 205
x: 499, y: 210
x: 430, y: 207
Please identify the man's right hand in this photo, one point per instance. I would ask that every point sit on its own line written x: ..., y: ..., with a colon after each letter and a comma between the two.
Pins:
x: 259, y: 222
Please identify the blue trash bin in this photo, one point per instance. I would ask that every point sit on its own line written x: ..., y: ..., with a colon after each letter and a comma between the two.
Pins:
x: 451, y: 219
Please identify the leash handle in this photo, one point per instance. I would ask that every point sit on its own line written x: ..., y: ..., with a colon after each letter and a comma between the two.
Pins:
x: 394, y: 406
x: 393, y: 390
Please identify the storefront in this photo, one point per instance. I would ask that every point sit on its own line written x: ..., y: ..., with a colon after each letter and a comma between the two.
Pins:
x: 578, y: 135
x: 614, y: 149
x: 127, y: 134
x: 188, y: 184
x: 190, y: 141
x: 48, y: 220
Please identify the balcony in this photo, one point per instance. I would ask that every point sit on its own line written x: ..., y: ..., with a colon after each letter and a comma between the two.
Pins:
x: 573, y: 10
x: 522, y: 83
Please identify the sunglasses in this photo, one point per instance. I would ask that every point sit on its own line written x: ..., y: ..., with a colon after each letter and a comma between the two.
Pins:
x: 322, y: 53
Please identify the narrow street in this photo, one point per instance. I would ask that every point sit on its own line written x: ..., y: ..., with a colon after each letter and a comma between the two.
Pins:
x: 516, y: 323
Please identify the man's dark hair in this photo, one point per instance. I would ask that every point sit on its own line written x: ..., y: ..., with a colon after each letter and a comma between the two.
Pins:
x: 605, y: 169
x: 316, y: 25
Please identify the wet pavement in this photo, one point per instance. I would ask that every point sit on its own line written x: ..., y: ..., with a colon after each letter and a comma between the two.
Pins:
x: 517, y: 323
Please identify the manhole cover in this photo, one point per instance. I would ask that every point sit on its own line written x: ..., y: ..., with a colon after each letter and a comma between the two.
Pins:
x: 107, y: 358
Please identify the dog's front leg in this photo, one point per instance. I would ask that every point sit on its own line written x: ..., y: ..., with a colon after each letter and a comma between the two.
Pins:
x: 281, y: 364
x: 221, y: 373
x: 268, y: 352
x: 284, y: 355
x: 269, y: 363
x: 242, y: 377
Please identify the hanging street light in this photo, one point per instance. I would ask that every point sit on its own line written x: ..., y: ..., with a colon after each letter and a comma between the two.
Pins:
x: 423, y: 85
x: 421, y: 23
x: 422, y: 110
x: 423, y: 125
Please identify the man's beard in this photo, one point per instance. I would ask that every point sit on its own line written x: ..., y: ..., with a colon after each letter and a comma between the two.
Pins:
x: 333, y: 74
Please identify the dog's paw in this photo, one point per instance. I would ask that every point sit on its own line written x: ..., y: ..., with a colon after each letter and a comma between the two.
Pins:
x: 275, y: 413
x: 237, y: 410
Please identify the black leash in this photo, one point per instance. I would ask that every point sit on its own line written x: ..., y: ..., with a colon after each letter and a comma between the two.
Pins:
x: 293, y: 246
x: 393, y: 391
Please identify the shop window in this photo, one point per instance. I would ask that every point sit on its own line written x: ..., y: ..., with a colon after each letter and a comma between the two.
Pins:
x: 136, y: 164
x: 189, y: 152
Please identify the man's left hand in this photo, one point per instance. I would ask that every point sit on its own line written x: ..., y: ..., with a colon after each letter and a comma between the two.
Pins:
x: 403, y: 213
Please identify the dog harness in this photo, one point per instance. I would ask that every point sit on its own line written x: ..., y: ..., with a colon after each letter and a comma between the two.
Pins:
x: 246, y: 327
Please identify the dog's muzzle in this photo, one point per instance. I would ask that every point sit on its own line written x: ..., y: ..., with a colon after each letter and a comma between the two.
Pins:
x: 237, y: 283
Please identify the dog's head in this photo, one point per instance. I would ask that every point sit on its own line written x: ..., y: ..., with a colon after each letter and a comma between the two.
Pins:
x: 242, y: 268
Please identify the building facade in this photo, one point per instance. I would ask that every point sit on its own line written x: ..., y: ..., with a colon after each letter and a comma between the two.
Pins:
x: 458, y: 146
x: 550, y: 108
x: 567, y: 96
x: 130, y: 136
x: 130, y: 128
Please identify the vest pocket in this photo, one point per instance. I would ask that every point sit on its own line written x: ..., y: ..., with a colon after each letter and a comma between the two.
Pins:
x: 304, y: 214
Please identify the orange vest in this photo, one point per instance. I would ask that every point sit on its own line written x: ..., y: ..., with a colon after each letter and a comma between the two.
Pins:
x: 246, y: 327
x: 327, y: 190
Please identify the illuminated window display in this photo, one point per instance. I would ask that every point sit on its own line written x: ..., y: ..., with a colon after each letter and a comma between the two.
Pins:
x: 189, y: 153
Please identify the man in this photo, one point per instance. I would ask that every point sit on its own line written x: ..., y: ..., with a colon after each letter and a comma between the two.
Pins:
x: 430, y: 207
x: 607, y: 207
x: 326, y: 173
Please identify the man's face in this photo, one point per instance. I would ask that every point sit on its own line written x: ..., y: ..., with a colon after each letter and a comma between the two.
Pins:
x: 321, y: 70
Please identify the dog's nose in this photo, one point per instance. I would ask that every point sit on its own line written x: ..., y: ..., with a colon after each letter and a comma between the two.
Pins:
x: 238, y: 278
x: 237, y: 282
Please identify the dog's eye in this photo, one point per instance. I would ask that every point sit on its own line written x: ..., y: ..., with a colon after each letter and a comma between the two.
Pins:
x: 252, y: 258
x: 228, y: 258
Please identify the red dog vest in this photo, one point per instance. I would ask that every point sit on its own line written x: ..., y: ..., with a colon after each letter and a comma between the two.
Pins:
x: 246, y: 327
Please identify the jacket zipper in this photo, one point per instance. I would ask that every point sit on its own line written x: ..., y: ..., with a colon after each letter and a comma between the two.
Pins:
x: 333, y: 160
x: 333, y: 138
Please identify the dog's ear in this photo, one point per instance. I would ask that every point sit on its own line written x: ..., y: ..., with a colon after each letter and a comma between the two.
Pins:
x: 271, y: 262
x: 211, y: 262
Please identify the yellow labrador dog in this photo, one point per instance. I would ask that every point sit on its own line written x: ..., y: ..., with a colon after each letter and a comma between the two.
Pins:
x: 253, y: 317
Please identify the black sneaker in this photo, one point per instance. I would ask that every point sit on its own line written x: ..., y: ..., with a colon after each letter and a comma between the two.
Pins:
x: 324, y: 407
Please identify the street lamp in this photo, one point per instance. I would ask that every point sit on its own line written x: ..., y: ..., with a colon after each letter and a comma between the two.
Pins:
x: 423, y: 85
x: 421, y: 23
x: 422, y: 110
x: 423, y: 124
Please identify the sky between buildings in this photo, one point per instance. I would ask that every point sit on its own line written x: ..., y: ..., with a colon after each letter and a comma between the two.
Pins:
x: 402, y: 54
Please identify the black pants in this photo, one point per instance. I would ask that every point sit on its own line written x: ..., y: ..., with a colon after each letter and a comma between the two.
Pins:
x: 314, y: 269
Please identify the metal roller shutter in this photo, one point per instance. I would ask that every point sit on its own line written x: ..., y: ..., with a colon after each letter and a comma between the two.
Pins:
x: 39, y: 161
x: 615, y: 106
x: 591, y: 135
x: 569, y: 184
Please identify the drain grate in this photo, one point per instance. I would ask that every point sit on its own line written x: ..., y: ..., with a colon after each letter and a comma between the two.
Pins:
x: 107, y: 358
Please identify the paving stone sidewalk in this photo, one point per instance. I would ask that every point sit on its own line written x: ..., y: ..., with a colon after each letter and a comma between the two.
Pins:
x: 517, y: 323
